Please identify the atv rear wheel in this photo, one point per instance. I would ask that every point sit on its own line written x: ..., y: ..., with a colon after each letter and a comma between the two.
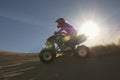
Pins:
x: 83, y: 51
x: 47, y: 56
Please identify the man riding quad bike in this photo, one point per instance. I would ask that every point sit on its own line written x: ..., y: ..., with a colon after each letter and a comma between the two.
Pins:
x: 63, y: 42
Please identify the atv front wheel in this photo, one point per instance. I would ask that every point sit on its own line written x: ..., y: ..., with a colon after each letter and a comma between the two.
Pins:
x: 47, y: 56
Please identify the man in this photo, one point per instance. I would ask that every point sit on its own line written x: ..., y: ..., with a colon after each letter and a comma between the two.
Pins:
x: 70, y: 32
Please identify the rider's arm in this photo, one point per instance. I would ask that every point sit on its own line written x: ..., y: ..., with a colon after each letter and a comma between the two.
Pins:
x: 60, y: 30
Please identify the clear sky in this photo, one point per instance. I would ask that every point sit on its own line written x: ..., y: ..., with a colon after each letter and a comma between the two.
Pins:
x: 26, y: 24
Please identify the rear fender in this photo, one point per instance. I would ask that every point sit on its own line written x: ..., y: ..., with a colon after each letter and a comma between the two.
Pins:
x: 81, y: 38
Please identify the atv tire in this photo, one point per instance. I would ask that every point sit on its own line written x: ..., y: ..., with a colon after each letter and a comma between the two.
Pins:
x: 47, y: 56
x: 83, y: 51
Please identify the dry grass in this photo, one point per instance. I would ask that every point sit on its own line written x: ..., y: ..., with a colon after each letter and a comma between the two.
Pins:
x: 7, y: 58
x: 105, y: 50
x: 111, y: 49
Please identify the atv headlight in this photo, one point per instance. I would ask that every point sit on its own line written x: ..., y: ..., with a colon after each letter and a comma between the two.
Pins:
x: 49, y: 45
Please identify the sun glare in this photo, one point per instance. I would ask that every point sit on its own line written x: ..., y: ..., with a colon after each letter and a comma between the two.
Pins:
x: 89, y: 28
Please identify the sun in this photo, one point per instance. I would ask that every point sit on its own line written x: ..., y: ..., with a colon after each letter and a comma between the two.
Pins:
x: 89, y: 28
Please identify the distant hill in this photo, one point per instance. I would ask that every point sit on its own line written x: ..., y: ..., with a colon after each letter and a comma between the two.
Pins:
x: 7, y: 58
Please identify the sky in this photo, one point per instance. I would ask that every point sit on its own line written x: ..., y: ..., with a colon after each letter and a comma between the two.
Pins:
x: 26, y: 24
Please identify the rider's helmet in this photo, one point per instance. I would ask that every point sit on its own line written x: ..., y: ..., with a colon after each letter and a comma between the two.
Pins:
x: 60, y: 21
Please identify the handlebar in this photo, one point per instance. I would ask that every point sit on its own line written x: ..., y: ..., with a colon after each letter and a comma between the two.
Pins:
x: 60, y: 33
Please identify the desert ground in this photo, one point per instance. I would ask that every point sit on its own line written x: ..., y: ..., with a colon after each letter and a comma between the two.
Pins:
x: 16, y: 66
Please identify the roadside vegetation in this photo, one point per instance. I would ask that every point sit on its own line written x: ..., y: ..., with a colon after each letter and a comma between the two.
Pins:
x: 110, y: 49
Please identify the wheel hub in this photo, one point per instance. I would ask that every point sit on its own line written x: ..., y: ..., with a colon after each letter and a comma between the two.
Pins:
x: 47, y: 56
x: 82, y: 52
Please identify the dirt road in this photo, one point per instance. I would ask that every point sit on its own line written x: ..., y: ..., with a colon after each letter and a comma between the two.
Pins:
x: 70, y: 68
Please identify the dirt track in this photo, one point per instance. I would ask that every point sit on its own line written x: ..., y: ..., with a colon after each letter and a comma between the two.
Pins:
x: 69, y: 68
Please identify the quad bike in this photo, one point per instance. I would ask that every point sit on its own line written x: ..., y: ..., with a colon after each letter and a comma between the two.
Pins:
x: 62, y: 44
